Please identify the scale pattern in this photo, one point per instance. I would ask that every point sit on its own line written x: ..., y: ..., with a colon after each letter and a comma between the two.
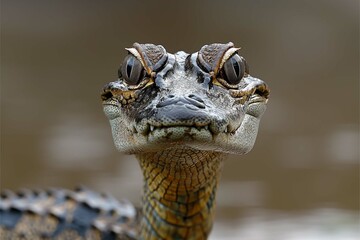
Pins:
x: 63, y: 214
x: 179, y: 193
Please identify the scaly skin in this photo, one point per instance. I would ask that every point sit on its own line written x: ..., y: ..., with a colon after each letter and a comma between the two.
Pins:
x: 181, y: 115
x: 179, y: 193
x: 63, y: 214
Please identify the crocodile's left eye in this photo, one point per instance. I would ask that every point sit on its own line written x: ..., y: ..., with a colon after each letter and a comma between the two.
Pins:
x: 132, y: 70
x: 233, y: 70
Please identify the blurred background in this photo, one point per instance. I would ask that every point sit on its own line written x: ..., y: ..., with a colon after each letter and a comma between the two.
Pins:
x: 301, y: 181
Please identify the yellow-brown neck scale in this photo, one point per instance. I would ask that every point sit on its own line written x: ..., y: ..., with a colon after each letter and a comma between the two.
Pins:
x: 179, y: 193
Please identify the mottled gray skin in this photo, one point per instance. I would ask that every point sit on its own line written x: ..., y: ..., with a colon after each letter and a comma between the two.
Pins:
x: 221, y: 123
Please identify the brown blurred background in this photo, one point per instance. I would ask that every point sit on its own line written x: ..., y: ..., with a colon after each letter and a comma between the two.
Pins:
x: 301, y: 181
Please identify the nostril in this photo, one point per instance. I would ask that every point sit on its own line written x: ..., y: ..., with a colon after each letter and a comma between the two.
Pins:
x: 195, y: 97
x: 195, y: 101
x: 168, y: 100
x: 190, y: 100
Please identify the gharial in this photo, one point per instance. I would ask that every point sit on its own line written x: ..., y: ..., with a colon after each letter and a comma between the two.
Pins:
x: 180, y: 114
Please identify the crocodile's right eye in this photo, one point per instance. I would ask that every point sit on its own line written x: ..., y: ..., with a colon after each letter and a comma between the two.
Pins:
x: 132, y: 70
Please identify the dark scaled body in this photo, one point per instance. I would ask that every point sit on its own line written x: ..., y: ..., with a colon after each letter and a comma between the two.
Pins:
x: 64, y: 214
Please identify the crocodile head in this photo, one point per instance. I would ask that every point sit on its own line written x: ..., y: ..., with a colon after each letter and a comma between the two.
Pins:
x: 206, y: 100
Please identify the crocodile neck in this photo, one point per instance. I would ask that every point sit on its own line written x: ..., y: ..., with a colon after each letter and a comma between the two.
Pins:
x: 179, y: 193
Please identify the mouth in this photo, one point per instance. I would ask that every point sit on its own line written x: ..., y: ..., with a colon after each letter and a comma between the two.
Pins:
x: 208, y: 130
x: 179, y: 133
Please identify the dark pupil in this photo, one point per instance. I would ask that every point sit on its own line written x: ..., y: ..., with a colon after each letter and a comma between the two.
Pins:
x: 129, y: 66
x: 236, y: 66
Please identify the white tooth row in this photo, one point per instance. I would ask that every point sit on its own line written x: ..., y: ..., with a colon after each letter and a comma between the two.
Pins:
x: 152, y: 128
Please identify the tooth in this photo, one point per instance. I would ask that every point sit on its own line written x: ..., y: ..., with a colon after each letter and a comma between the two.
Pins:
x: 152, y: 128
x: 207, y: 127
